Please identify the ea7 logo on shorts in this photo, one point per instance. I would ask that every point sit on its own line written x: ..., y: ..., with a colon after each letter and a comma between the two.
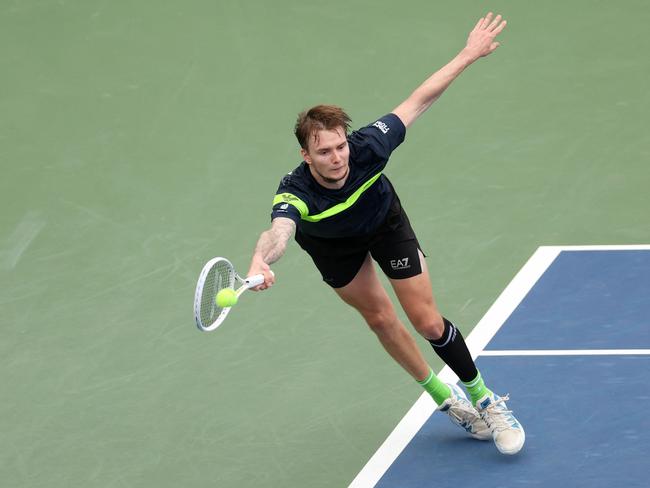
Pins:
x: 381, y: 126
x: 400, y: 263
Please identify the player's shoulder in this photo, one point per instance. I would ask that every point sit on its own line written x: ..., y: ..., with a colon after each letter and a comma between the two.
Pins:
x: 382, y: 126
x: 291, y: 177
x: 288, y: 178
x: 377, y: 140
x: 295, y: 180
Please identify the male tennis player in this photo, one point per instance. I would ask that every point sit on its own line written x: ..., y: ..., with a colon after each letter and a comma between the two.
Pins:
x: 344, y: 212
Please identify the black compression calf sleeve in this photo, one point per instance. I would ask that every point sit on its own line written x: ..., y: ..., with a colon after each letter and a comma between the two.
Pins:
x: 451, y: 348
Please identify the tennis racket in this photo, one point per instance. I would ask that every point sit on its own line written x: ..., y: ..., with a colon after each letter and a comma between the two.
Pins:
x: 217, y: 274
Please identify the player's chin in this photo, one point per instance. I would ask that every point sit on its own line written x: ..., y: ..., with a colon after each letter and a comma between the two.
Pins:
x: 339, y: 173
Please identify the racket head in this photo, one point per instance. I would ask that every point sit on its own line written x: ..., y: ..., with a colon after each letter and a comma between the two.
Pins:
x: 217, y: 274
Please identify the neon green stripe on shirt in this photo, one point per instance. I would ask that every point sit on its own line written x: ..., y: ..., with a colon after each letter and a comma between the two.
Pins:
x: 336, y: 209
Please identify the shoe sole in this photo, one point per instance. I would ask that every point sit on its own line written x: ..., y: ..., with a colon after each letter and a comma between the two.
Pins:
x: 482, y: 437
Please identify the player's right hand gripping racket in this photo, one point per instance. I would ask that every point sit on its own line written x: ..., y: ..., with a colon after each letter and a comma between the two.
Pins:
x: 218, y: 274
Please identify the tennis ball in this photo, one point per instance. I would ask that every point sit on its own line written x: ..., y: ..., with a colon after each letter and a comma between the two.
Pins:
x: 226, y: 298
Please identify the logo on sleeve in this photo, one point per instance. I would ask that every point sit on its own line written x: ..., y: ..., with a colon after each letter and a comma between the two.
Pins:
x: 381, y: 126
x: 288, y: 197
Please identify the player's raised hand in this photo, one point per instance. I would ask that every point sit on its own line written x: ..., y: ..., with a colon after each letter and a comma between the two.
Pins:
x: 481, y: 40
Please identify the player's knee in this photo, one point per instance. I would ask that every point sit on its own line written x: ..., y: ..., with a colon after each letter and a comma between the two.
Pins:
x: 430, y: 326
x: 381, y: 322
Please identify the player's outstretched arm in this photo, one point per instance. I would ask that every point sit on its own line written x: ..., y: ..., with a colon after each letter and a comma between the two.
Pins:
x: 270, y: 247
x: 481, y: 42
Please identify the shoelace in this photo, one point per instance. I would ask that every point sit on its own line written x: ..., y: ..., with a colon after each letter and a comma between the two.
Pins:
x: 497, y: 414
x: 463, y: 411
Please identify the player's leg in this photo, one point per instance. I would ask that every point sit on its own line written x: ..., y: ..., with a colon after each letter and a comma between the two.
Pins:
x: 367, y: 295
x: 397, y: 251
x: 416, y: 297
x: 348, y: 269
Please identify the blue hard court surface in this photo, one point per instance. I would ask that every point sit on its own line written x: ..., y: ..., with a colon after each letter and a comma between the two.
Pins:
x: 585, y: 417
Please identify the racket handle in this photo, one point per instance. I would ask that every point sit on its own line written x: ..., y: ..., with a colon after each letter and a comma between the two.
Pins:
x: 255, y: 280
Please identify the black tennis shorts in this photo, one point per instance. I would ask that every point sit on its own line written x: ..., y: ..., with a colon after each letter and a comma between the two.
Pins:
x: 393, y: 245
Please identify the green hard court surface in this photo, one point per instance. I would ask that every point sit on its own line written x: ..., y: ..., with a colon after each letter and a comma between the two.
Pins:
x: 140, y: 139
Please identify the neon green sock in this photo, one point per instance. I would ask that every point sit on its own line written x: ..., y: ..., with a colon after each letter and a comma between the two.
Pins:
x: 477, y: 388
x: 436, y: 388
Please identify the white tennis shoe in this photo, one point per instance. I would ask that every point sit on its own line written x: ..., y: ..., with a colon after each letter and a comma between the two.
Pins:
x: 507, y: 432
x: 462, y: 413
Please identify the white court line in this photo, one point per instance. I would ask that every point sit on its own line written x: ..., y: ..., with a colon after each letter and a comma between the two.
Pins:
x: 630, y: 247
x: 569, y: 352
x: 487, y: 327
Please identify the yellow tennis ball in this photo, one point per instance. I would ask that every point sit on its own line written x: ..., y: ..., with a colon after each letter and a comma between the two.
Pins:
x: 226, y: 298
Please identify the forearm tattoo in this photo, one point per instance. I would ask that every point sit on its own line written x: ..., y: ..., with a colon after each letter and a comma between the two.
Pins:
x: 273, y: 242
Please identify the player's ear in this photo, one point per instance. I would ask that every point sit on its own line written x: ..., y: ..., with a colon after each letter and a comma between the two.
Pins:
x: 305, y: 155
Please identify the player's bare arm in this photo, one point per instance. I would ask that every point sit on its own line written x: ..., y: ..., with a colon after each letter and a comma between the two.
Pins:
x: 480, y: 42
x: 270, y: 247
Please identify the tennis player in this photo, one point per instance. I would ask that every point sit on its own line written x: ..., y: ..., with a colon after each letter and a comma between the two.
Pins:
x: 345, y: 213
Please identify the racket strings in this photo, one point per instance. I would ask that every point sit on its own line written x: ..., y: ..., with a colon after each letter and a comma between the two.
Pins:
x: 220, y: 276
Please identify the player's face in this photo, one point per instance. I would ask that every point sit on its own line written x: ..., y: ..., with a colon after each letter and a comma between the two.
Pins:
x: 327, y: 155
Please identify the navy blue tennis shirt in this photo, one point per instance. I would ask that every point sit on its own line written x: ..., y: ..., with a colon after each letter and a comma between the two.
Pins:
x: 361, y: 205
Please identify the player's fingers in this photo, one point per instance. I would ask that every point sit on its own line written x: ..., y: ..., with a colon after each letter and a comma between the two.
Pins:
x: 269, y: 279
x: 494, y: 23
x: 486, y: 20
x: 501, y: 26
x: 478, y: 24
x: 493, y: 46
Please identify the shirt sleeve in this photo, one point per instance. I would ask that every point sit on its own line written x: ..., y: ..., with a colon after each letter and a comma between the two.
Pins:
x: 373, y: 144
x: 287, y: 202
